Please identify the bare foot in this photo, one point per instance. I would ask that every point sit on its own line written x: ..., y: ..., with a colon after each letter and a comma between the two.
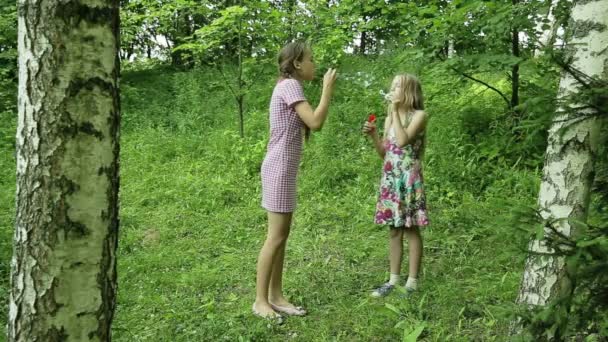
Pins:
x: 282, y: 305
x: 264, y: 310
x: 281, y: 301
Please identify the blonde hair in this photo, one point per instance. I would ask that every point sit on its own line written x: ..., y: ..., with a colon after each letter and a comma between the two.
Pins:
x: 408, y: 90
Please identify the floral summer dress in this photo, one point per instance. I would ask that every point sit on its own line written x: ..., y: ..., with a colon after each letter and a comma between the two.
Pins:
x: 402, y: 202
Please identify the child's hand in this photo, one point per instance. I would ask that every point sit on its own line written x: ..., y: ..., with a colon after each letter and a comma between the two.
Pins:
x: 397, y: 96
x: 369, y: 128
x: 328, y: 81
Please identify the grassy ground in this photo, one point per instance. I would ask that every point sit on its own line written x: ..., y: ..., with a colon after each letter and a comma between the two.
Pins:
x: 7, y: 207
x: 192, y: 225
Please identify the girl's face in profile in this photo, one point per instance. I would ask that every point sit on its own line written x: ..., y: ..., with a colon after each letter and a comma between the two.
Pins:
x: 306, y: 70
x: 395, y: 94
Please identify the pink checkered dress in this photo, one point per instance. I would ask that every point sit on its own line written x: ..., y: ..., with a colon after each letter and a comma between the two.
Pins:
x: 280, y: 166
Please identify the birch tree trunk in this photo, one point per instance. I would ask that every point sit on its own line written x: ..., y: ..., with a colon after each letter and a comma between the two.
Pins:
x: 572, y: 144
x: 63, y: 271
x: 515, y: 67
x: 547, y: 36
x: 451, y: 50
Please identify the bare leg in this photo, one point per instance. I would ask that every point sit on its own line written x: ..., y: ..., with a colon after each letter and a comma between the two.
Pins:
x: 415, y: 250
x: 395, y: 249
x: 275, y: 294
x: 395, y: 256
x: 278, y: 231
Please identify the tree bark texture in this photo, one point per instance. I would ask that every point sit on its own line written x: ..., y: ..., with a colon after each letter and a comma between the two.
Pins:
x: 569, y: 160
x: 63, y: 271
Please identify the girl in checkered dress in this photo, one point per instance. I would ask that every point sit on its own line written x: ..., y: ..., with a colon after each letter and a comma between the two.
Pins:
x: 402, y: 202
x: 291, y: 118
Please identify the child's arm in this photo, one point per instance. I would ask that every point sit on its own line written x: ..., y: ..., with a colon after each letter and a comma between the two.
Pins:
x: 315, y: 119
x: 369, y: 128
x: 405, y: 135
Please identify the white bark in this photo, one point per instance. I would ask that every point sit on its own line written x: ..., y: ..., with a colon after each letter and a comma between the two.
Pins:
x: 63, y: 271
x: 547, y: 36
x: 568, y: 170
x: 451, y: 51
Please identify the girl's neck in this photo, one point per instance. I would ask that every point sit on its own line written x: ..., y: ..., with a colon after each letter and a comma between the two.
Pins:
x: 402, y: 114
x: 401, y: 110
x: 291, y: 77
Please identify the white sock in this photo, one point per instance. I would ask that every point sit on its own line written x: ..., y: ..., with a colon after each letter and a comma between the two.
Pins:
x: 394, y: 280
x: 412, y: 283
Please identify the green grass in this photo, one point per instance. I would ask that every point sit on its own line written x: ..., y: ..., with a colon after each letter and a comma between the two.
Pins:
x: 7, y: 209
x: 191, y: 223
x: 196, y: 282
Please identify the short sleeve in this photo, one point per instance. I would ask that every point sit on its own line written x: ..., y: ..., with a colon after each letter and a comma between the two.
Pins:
x: 292, y: 92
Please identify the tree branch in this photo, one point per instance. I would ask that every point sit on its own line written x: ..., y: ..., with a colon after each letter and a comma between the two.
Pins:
x: 485, y: 84
x: 219, y: 68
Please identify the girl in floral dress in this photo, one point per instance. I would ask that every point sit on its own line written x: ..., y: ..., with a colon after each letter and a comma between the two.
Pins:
x: 402, y: 203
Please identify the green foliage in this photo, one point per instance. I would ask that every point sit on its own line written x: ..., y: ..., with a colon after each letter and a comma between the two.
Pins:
x: 211, y: 226
x: 8, y: 37
x: 7, y: 220
x: 581, y: 307
x: 8, y: 123
x: 8, y: 72
x: 476, y: 122
x: 187, y: 176
x: 8, y: 90
x: 601, y: 176
x: 190, y: 189
x: 257, y: 26
x: 157, y: 26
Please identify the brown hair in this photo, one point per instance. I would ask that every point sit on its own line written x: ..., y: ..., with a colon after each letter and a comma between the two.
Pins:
x: 290, y: 53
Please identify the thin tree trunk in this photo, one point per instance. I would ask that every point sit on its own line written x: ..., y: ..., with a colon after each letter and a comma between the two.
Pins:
x: 362, y: 44
x: 240, y: 97
x: 515, y: 68
x: 241, y: 117
x: 451, y: 51
x: 63, y: 271
x: 569, y: 160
